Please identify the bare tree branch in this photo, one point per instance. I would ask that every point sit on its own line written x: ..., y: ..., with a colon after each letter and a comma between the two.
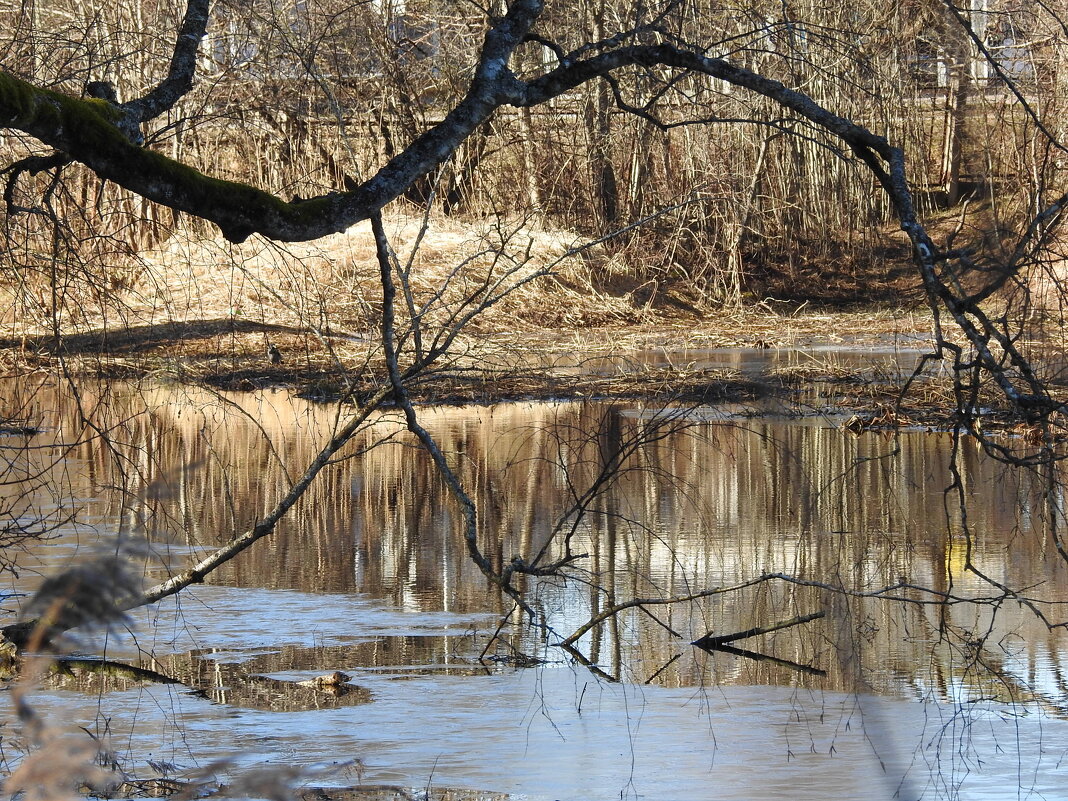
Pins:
x: 180, y: 76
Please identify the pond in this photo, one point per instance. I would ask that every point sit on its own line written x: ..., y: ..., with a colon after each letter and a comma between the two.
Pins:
x: 451, y: 692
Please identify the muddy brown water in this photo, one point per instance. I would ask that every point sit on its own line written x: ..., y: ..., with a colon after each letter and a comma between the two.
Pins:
x: 369, y: 576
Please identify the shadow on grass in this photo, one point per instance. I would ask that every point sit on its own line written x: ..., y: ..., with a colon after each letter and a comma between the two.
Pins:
x: 140, y: 338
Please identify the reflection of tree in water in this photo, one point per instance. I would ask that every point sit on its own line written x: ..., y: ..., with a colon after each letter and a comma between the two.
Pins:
x: 708, y: 503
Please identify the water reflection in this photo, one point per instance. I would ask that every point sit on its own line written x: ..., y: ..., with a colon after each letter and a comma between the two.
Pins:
x: 370, y: 576
x: 755, y: 361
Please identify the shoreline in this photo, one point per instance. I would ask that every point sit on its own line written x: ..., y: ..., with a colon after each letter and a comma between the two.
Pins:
x: 813, y: 363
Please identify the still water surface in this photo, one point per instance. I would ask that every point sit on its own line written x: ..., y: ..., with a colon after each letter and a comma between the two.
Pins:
x: 370, y: 577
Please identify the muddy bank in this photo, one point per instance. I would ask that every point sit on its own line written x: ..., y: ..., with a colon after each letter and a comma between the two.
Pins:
x: 778, y: 357
x: 666, y: 358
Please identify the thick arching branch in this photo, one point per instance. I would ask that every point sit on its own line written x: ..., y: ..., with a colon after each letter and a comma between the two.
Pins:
x: 88, y: 130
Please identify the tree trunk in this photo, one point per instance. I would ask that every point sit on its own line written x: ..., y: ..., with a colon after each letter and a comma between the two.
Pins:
x: 956, y: 113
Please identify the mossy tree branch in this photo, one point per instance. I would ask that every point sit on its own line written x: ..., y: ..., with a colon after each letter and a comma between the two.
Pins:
x: 89, y: 131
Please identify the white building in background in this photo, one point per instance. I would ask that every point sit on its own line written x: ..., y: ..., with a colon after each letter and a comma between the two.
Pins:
x: 390, y: 7
x: 1009, y: 47
x: 1016, y: 59
x: 236, y: 40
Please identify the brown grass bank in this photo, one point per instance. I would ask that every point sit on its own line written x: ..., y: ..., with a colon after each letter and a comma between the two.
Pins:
x: 555, y: 318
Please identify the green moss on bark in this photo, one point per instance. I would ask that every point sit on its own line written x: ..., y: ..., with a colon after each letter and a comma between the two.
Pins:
x: 194, y: 191
x: 87, y: 130
x: 23, y: 106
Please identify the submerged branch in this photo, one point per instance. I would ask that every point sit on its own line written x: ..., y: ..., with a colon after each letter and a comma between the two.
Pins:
x: 108, y: 667
x: 715, y: 640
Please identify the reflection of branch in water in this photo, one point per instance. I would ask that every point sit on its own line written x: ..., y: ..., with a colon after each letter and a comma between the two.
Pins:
x: 1015, y: 688
x: 664, y: 667
x: 716, y: 640
x: 728, y: 649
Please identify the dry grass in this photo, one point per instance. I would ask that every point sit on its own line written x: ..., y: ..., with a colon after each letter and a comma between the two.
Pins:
x: 332, y: 284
